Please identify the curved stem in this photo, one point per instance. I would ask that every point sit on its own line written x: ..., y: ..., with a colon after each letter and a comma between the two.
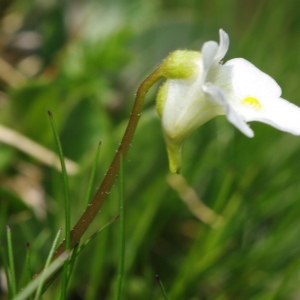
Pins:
x: 92, y: 210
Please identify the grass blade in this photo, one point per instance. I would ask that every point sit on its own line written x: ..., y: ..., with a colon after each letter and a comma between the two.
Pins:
x: 91, y: 181
x: 96, y: 234
x: 28, y: 266
x: 80, y: 249
x: 162, y: 287
x: 72, y: 260
x: 11, y: 263
x: 30, y: 288
x: 65, y: 181
x: 67, y: 201
x: 3, y: 216
x: 6, y: 270
x: 121, y: 234
x: 43, y: 275
x: 64, y: 282
x: 67, y: 271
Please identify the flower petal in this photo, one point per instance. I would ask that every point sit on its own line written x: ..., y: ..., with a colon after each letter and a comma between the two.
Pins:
x: 217, y: 95
x: 276, y: 112
x: 255, y: 96
x: 248, y: 80
x: 212, y: 53
x: 223, y: 46
x: 209, y: 51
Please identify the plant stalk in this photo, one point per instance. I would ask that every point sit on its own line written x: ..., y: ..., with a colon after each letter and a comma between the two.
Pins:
x: 95, y: 205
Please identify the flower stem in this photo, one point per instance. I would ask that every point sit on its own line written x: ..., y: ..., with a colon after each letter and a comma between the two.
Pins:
x: 92, y: 210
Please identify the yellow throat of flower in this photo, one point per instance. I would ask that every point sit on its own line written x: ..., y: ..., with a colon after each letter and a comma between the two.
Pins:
x: 253, y: 102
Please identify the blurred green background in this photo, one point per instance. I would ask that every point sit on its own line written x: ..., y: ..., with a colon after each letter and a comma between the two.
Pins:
x: 84, y: 60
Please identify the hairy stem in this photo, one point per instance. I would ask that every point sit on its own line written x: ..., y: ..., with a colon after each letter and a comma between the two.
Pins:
x: 92, y: 210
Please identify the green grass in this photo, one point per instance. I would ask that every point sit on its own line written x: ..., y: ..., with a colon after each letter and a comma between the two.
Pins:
x: 89, y: 74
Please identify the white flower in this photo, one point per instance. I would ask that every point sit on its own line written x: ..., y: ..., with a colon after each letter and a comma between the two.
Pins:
x: 199, y: 87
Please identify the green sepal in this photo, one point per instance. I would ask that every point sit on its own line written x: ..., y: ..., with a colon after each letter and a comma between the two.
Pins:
x: 161, y: 98
x: 180, y: 64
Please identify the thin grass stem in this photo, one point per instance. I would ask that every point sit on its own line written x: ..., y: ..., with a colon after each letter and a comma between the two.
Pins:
x: 48, y: 261
x: 67, y: 270
x: 11, y: 263
x: 163, y: 290
x: 80, y: 249
x: 6, y: 270
x: 67, y: 202
x: 30, y: 288
x: 96, y: 234
x: 121, y: 262
x: 63, y: 290
x: 28, y: 266
x: 72, y: 261
x: 92, y: 177
x: 65, y: 182
x: 3, y: 214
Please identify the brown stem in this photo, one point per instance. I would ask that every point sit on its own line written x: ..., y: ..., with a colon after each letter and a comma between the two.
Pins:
x: 92, y: 210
